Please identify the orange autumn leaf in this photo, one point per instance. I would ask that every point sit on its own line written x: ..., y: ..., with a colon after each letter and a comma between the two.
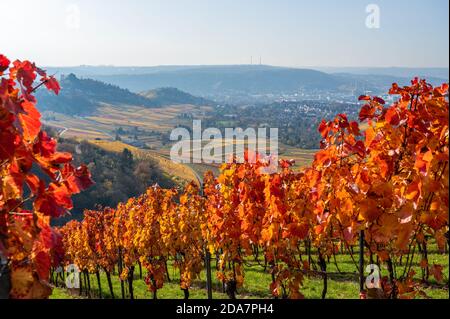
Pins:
x: 30, y: 121
x: 370, y: 136
x: 414, y: 191
x: 392, y: 116
x: 437, y: 272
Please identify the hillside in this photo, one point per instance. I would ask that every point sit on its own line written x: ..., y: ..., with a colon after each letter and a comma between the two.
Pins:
x: 178, y: 174
x: 173, y: 96
x: 205, y: 81
x: 118, y: 174
x: 84, y: 96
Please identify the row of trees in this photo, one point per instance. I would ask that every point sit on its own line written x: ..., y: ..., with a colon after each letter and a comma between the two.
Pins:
x: 388, y: 183
x: 146, y: 231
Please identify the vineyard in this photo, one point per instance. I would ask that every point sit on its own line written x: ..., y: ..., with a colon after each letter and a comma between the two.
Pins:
x: 377, y: 196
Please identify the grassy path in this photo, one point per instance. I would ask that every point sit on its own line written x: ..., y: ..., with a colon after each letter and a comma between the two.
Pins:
x: 256, y: 285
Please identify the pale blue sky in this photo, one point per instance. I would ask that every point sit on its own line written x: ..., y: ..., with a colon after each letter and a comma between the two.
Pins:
x: 413, y: 33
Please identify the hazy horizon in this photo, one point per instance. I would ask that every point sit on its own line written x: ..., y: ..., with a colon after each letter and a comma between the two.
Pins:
x: 243, y: 64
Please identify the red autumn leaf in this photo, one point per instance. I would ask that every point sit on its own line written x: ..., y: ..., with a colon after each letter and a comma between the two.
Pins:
x: 343, y: 121
x: 364, y: 98
x: 437, y: 272
x: 394, y: 89
x: 46, y: 237
x: 30, y: 121
x: 61, y: 158
x: 4, y: 63
x: 77, y: 179
x: 6, y: 118
x: 250, y: 156
x: 324, y: 128
x: 392, y: 116
x: 369, y: 210
x: 441, y: 91
x: 57, y: 249
x: 42, y: 263
x: 45, y: 145
x: 286, y: 163
x: 354, y: 128
x: 343, y: 117
x: 379, y: 100
x: 25, y: 73
x: 8, y: 144
x: 348, y: 234
x: 323, y: 158
x: 41, y: 72
x: 423, y: 263
x: 359, y: 148
x: 367, y: 112
x: 55, y: 201
x: 52, y: 84
x: 33, y: 183
x: 61, y: 195
x: 299, y: 231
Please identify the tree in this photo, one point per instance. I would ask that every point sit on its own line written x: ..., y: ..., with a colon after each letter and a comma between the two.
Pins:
x: 27, y: 203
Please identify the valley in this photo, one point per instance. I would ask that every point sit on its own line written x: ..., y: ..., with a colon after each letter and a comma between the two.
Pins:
x: 115, y: 119
x: 140, y: 114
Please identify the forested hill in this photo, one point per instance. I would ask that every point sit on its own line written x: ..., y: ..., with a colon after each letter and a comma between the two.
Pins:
x: 83, y: 96
x: 173, y: 96
x: 117, y: 176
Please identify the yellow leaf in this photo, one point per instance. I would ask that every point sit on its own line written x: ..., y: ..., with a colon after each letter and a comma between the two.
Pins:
x: 370, y: 136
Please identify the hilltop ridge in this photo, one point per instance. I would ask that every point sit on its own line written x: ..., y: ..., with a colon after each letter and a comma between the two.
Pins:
x: 83, y: 96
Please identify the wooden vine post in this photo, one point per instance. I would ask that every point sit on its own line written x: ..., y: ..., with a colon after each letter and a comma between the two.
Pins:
x: 361, y: 265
